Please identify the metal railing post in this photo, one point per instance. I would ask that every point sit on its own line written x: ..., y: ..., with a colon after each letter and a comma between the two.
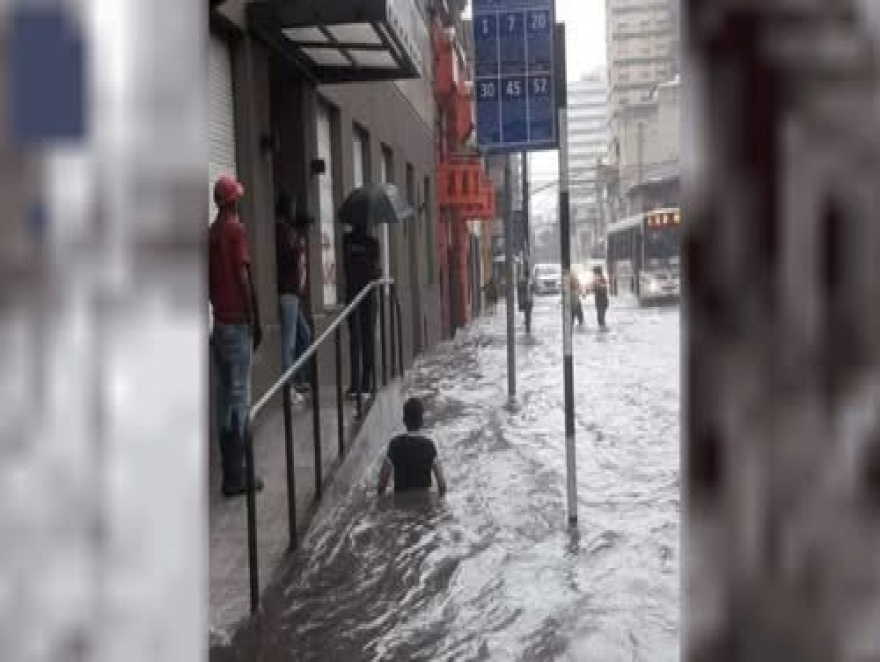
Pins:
x: 358, y: 361
x: 382, y: 334
x: 291, y: 468
x: 310, y: 358
x: 392, y: 331
x: 253, y: 553
x: 340, y: 398
x: 374, y: 372
x: 316, y: 426
x: 399, y: 330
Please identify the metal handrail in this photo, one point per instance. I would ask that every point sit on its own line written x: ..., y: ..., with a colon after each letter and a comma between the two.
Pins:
x: 298, y: 365
x: 284, y: 384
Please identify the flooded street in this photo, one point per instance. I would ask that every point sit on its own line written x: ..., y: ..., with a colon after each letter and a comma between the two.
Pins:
x: 493, y: 572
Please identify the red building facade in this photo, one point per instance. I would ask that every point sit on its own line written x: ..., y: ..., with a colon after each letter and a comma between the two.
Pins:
x: 464, y: 191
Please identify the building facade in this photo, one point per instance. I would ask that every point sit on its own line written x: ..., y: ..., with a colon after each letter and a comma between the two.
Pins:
x: 587, y: 143
x: 641, y: 166
x: 466, y: 194
x: 319, y: 98
x: 641, y: 50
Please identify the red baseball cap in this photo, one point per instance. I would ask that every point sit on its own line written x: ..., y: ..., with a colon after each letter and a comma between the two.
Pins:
x: 227, y: 190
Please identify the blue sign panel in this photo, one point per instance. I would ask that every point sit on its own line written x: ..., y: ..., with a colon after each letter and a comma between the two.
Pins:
x: 515, y: 95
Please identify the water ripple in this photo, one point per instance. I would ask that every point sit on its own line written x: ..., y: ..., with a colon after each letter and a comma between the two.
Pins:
x: 492, y: 572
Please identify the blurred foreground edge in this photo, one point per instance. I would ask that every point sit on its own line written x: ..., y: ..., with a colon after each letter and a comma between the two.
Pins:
x: 781, y: 360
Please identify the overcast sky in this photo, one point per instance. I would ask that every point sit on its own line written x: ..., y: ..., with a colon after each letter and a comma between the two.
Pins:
x: 585, y: 52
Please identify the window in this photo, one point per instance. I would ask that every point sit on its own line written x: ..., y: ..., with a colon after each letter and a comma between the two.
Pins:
x: 326, y: 203
x: 361, y: 158
x: 429, y: 233
x: 410, y: 193
x: 386, y: 176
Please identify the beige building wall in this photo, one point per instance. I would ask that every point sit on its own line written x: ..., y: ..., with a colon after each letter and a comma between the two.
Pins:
x: 640, y: 49
x: 649, y: 137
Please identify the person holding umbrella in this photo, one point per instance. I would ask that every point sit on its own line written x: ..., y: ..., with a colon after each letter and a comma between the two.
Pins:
x: 364, y: 208
x: 360, y: 264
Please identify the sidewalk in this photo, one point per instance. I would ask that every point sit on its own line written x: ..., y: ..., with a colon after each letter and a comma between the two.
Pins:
x: 229, y: 578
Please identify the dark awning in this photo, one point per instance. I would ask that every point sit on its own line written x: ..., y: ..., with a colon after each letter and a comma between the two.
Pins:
x: 338, y: 41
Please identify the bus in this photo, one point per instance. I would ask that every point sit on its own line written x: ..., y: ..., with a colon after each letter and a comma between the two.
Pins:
x: 644, y: 256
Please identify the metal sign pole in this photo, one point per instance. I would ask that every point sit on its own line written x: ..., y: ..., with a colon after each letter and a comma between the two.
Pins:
x: 508, y: 265
x: 565, y: 240
x: 514, y: 89
x: 526, y: 243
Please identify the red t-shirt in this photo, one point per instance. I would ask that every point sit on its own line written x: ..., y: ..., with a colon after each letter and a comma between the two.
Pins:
x: 227, y: 254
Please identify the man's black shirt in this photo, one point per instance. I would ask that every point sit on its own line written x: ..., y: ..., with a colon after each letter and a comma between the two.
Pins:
x: 413, y: 459
x: 360, y: 258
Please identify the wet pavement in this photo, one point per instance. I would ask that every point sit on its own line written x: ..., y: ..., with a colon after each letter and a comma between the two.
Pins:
x: 493, y: 572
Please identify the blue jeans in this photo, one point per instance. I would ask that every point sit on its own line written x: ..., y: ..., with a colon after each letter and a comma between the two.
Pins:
x: 232, y: 350
x: 295, y: 333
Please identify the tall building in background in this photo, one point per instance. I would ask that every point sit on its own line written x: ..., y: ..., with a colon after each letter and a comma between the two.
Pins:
x: 587, y: 143
x: 640, y: 170
x: 642, y: 50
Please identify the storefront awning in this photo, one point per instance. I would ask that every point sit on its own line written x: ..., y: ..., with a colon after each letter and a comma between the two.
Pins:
x: 339, y: 41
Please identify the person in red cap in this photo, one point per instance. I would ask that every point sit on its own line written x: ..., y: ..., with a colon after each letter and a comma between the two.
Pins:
x: 236, y: 332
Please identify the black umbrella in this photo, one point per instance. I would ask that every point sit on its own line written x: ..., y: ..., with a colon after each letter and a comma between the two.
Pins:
x: 374, y: 204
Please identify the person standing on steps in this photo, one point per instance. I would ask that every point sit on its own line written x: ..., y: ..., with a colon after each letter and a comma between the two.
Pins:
x: 236, y: 332
x: 290, y: 258
x: 360, y: 263
x: 412, y: 459
x: 600, y: 295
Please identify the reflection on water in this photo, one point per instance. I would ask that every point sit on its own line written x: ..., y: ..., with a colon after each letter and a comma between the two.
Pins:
x: 492, y: 572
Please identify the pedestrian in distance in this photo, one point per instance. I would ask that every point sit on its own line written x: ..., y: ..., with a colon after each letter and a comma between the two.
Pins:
x: 412, y: 459
x: 491, y: 296
x: 600, y: 295
x: 577, y: 309
x: 236, y: 332
x: 291, y: 251
x: 360, y: 263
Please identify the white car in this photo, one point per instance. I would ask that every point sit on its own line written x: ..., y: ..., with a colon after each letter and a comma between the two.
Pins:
x: 547, y: 279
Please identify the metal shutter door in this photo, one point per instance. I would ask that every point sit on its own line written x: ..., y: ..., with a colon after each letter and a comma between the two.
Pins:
x: 221, y: 117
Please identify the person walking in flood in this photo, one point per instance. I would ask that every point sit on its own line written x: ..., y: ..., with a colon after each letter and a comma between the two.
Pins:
x: 577, y: 309
x: 491, y: 296
x: 236, y: 332
x: 600, y: 296
x: 412, y: 458
x: 360, y: 262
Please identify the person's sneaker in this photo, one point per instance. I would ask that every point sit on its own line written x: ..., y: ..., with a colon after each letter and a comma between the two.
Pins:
x: 242, y: 489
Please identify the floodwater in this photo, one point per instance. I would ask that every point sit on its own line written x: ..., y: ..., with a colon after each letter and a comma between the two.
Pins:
x: 493, y: 572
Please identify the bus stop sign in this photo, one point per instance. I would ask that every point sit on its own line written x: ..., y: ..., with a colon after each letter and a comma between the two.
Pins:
x: 514, y: 72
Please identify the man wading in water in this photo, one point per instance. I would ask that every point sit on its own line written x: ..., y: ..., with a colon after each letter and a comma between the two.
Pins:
x: 412, y: 458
